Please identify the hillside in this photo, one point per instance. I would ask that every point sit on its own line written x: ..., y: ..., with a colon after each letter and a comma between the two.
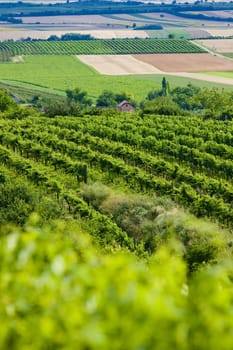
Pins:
x: 114, y: 225
x: 186, y: 159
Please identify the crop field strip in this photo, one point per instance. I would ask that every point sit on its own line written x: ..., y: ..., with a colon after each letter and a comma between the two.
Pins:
x: 202, y: 194
x: 97, y: 47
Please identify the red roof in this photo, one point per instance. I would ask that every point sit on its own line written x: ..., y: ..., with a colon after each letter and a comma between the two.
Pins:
x: 123, y: 103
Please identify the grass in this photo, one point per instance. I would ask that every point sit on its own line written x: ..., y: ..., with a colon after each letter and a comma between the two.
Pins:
x: 55, y: 74
x: 58, y: 73
x: 221, y: 74
x: 179, y: 33
x: 26, y: 92
x: 228, y: 55
x: 181, y: 81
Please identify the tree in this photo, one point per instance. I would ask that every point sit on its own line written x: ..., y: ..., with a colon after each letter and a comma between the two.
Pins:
x: 111, y: 99
x: 106, y: 99
x: 165, y: 87
x: 162, y: 105
x: 164, y: 91
x: 184, y: 96
x: 78, y: 96
x: 5, y: 101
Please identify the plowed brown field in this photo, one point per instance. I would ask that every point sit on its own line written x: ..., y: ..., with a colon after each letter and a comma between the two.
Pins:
x: 187, y: 62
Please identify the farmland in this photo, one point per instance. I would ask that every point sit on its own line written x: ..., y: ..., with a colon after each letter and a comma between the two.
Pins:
x: 118, y: 64
x: 115, y: 228
x: 218, y: 45
x: 58, y: 73
x: 222, y: 74
x: 101, y: 47
x: 187, y: 62
x: 7, y: 33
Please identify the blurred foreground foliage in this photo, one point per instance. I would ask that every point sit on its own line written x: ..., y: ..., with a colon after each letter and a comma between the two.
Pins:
x: 59, y: 292
x: 154, y: 221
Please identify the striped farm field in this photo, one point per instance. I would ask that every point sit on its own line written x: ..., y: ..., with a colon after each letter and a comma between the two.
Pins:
x: 97, y: 47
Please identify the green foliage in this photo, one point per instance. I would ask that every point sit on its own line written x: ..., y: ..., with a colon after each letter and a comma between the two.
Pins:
x: 152, y: 221
x: 71, y: 36
x: 185, y: 96
x: 210, y: 103
x: 17, y: 202
x: 78, y: 96
x: 165, y: 90
x: 106, y: 99
x: 75, y: 103
x: 111, y: 99
x: 19, y: 199
x: 57, y: 291
x: 163, y: 105
x: 6, y: 102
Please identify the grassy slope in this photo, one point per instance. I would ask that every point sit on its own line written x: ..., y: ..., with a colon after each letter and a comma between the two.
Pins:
x: 228, y: 55
x: 58, y: 73
x: 222, y: 74
x: 63, y: 72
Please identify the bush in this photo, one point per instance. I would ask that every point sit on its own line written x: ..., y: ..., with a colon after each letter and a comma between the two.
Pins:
x: 58, y: 292
x: 163, y: 106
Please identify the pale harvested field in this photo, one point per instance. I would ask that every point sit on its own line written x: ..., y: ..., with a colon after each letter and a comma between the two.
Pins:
x: 218, y: 45
x: 127, y: 64
x: 187, y: 62
x: 220, y: 32
x: 157, y: 15
x: 118, y: 64
x: 118, y: 33
x: 98, y: 34
x: 197, y: 32
x: 82, y: 19
x: 221, y: 14
x: 187, y: 21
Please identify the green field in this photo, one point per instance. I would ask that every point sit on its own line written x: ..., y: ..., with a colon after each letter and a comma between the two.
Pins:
x: 228, y: 55
x: 58, y: 73
x: 221, y: 74
x: 55, y: 74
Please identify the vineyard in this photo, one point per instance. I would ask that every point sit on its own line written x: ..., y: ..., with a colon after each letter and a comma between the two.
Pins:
x: 97, y: 47
x: 183, y: 158
x: 123, y: 221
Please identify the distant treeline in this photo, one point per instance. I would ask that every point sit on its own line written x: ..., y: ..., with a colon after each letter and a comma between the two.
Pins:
x: 71, y: 36
x: 10, y: 19
x: 204, y: 17
x: 150, y: 27
x: 21, y: 9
